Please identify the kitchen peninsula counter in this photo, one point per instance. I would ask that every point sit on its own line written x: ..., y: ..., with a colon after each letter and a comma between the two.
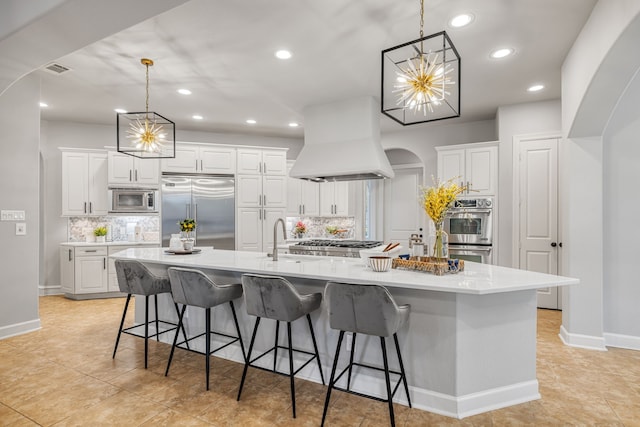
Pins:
x: 469, y: 346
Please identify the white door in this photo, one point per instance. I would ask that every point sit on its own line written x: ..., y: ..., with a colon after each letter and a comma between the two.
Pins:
x: 270, y: 216
x: 98, y: 185
x: 481, y: 171
x: 294, y: 200
x: 120, y: 168
x: 185, y: 160
x: 327, y: 198
x: 451, y: 165
x: 274, y: 191
x: 147, y: 171
x: 403, y: 214
x: 539, y: 212
x: 249, y: 230
x: 91, y: 274
x: 310, y: 198
x: 75, y: 186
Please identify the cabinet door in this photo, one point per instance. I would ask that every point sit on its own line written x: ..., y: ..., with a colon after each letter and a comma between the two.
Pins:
x: 249, y: 161
x: 98, y: 195
x: 184, y: 162
x: 249, y: 231
x: 274, y: 162
x: 270, y: 216
x: 146, y: 172
x: 274, y: 191
x: 310, y: 196
x: 451, y: 165
x: 75, y: 188
x: 341, y: 198
x: 249, y: 191
x: 294, y: 196
x: 91, y: 274
x: 120, y: 168
x: 217, y: 160
x: 327, y: 198
x: 481, y: 170
x: 67, y: 275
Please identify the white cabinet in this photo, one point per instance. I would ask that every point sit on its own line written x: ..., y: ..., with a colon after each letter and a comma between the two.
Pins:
x: 128, y: 170
x: 67, y: 269
x: 201, y: 158
x: 83, y: 270
x: 255, y: 228
x: 253, y: 161
x: 262, y: 191
x: 303, y: 197
x: 475, y: 165
x: 84, y: 183
x: 334, y: 198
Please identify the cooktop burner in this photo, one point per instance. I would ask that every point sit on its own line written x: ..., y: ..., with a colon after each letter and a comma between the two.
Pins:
x: 356, y: 244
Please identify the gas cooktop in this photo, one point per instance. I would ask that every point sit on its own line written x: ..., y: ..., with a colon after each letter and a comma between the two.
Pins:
x: 344, y: 248
x: 359, y: 244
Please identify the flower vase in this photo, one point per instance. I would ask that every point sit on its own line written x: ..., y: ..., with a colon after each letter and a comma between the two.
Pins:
x: 187, y: 241
x: 439, y: 242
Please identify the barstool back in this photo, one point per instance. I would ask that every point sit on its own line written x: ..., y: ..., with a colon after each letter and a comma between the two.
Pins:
x: 193, y: 287
x: 134, y: 278
x: 364, y: 309
x: 275, y: 298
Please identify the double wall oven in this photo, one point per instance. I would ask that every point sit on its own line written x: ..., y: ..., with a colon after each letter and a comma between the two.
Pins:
x: 469, y: 225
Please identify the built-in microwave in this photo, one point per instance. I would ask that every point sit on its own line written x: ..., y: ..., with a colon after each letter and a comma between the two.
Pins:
x: 133, y: 200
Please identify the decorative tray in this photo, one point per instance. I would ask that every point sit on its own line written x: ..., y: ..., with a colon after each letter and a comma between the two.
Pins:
x: 437, y: 266
x: 182, y: 252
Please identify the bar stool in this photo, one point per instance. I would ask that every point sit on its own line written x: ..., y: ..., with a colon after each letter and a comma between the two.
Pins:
x: 193, y: 288
x: 134, y: 278
x: 370, y: 310
x: 275, y: 298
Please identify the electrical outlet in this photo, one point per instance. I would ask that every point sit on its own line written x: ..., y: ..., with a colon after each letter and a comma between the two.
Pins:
x: 21, y: 229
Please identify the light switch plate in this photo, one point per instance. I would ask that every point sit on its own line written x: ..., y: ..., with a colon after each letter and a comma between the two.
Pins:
x: 6, y: 215
x: 21, y: 228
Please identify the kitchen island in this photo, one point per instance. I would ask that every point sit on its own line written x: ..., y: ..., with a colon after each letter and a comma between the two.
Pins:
x: 469, y: 346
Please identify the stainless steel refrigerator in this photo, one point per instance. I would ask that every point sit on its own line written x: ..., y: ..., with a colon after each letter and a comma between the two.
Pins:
x: 210, y: 200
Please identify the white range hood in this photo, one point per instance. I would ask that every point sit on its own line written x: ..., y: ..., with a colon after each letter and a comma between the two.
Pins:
x: 342, y: 142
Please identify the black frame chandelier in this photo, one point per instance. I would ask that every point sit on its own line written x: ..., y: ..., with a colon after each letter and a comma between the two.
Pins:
x: 147, y: 134
x: 421, y: 79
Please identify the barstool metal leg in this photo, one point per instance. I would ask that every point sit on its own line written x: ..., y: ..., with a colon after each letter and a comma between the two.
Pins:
x: 388, y: 382
x: 181, y: 326
x: 235, y: 320
x: 155, y: 306
x: 246, y: 365
x: 275, y: 348
x: 353, y: 348
x: 146, y: 329
x: 207, y: 341
x: 331, y: 379
x: 291, y: 377
x: 124, y: 315
x: 404, y: 376
x: 315, y: 347
x: 175, y: 338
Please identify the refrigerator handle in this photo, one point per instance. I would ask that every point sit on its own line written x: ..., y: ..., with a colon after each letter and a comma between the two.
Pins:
x: 195, y: 212
x: 186, y: 210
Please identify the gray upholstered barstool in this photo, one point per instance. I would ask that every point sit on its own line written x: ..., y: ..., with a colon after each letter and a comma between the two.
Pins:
x: 370, y: 310
x: 136, y: 279
x: 275, y: 298
x: 191, y: 287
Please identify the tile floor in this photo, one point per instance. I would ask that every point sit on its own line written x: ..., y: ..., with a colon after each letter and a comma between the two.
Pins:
x: 63, y: 375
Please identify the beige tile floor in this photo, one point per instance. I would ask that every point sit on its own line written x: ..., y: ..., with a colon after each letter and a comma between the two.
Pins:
x: 63, y: 375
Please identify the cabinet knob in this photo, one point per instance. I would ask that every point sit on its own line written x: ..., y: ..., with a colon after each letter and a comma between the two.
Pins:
x: 554, y: 244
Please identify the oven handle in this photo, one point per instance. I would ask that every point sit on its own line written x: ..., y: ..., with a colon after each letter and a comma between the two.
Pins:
x: 468, y: 210
x: 468, y: 248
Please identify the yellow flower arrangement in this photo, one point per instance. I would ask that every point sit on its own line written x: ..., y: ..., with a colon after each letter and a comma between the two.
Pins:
x: 437, y: 200
x: 187, y: 225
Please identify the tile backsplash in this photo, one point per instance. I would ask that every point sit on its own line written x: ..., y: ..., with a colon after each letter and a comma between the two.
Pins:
x: 317, y: 226
x: 119, y: 228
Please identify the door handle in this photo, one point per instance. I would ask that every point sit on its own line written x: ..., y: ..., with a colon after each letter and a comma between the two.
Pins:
x: 303, y: 209
x: 136, y: 175
x: 264, y: 168
x: 264, y: 200
x: 104, y: 263
x: 90, y: 207
x: 554, y: 244
x: 85, y: 207
x: 560, y: 244
x: 69, y: 254
x: 130, y: 175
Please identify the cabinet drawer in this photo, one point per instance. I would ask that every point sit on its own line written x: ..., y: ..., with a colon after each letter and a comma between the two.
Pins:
x: 91, y: 251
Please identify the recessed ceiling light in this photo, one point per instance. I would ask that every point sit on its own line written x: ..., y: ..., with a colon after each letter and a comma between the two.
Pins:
x: 293, y: 125
x: 502, y: 52
x: 120, y: 110
x: 535, y: 88
x: 283, y: 54
x: 251, y: 121
x: 461, y: 20
x: 44, y: 104
x: 197, y: 117
x: 184, y: 91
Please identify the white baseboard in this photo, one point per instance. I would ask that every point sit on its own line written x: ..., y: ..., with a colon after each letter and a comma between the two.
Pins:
x: 582, y: 341
x: 50, y: 290
x: 19, y: 328
x: 622, y: 341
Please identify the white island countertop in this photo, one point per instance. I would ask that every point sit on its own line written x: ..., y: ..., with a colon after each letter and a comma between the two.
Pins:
x: 477, y: 279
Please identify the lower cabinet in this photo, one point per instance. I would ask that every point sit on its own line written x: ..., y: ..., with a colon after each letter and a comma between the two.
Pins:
x: 255, y: 228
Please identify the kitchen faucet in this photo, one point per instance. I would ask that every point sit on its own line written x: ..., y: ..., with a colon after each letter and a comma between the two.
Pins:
x: 275, y: 237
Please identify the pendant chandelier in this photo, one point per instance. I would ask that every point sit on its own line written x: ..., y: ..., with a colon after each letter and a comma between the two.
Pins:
x: 421, y: 79
x: 146, y: 135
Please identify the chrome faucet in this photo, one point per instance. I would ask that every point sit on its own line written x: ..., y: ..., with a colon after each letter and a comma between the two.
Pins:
x: 275, y: 236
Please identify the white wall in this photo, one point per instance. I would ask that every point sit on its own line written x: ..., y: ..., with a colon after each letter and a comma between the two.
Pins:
x: 19, y: 184
x: 513, y: 120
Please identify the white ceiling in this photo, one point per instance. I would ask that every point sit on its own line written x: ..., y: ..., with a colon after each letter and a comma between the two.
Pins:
x: 224, y: 53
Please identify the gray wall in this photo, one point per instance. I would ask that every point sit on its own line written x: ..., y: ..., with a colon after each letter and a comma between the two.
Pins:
x: 19, y: 185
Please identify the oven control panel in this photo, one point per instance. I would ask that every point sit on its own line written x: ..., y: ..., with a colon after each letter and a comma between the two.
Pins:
x: 479, y: 203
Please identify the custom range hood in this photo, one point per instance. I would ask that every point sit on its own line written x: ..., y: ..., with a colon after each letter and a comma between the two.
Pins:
x: 342, y: 142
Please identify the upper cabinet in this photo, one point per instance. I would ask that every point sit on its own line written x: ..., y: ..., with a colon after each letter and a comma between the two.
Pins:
x: 201, y: 158
x: 334, y: 198
x: 253, y: 161
x: 84, y: 183
x: 303, y: 197
x: 474, y: 165
x: 128, y: 170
